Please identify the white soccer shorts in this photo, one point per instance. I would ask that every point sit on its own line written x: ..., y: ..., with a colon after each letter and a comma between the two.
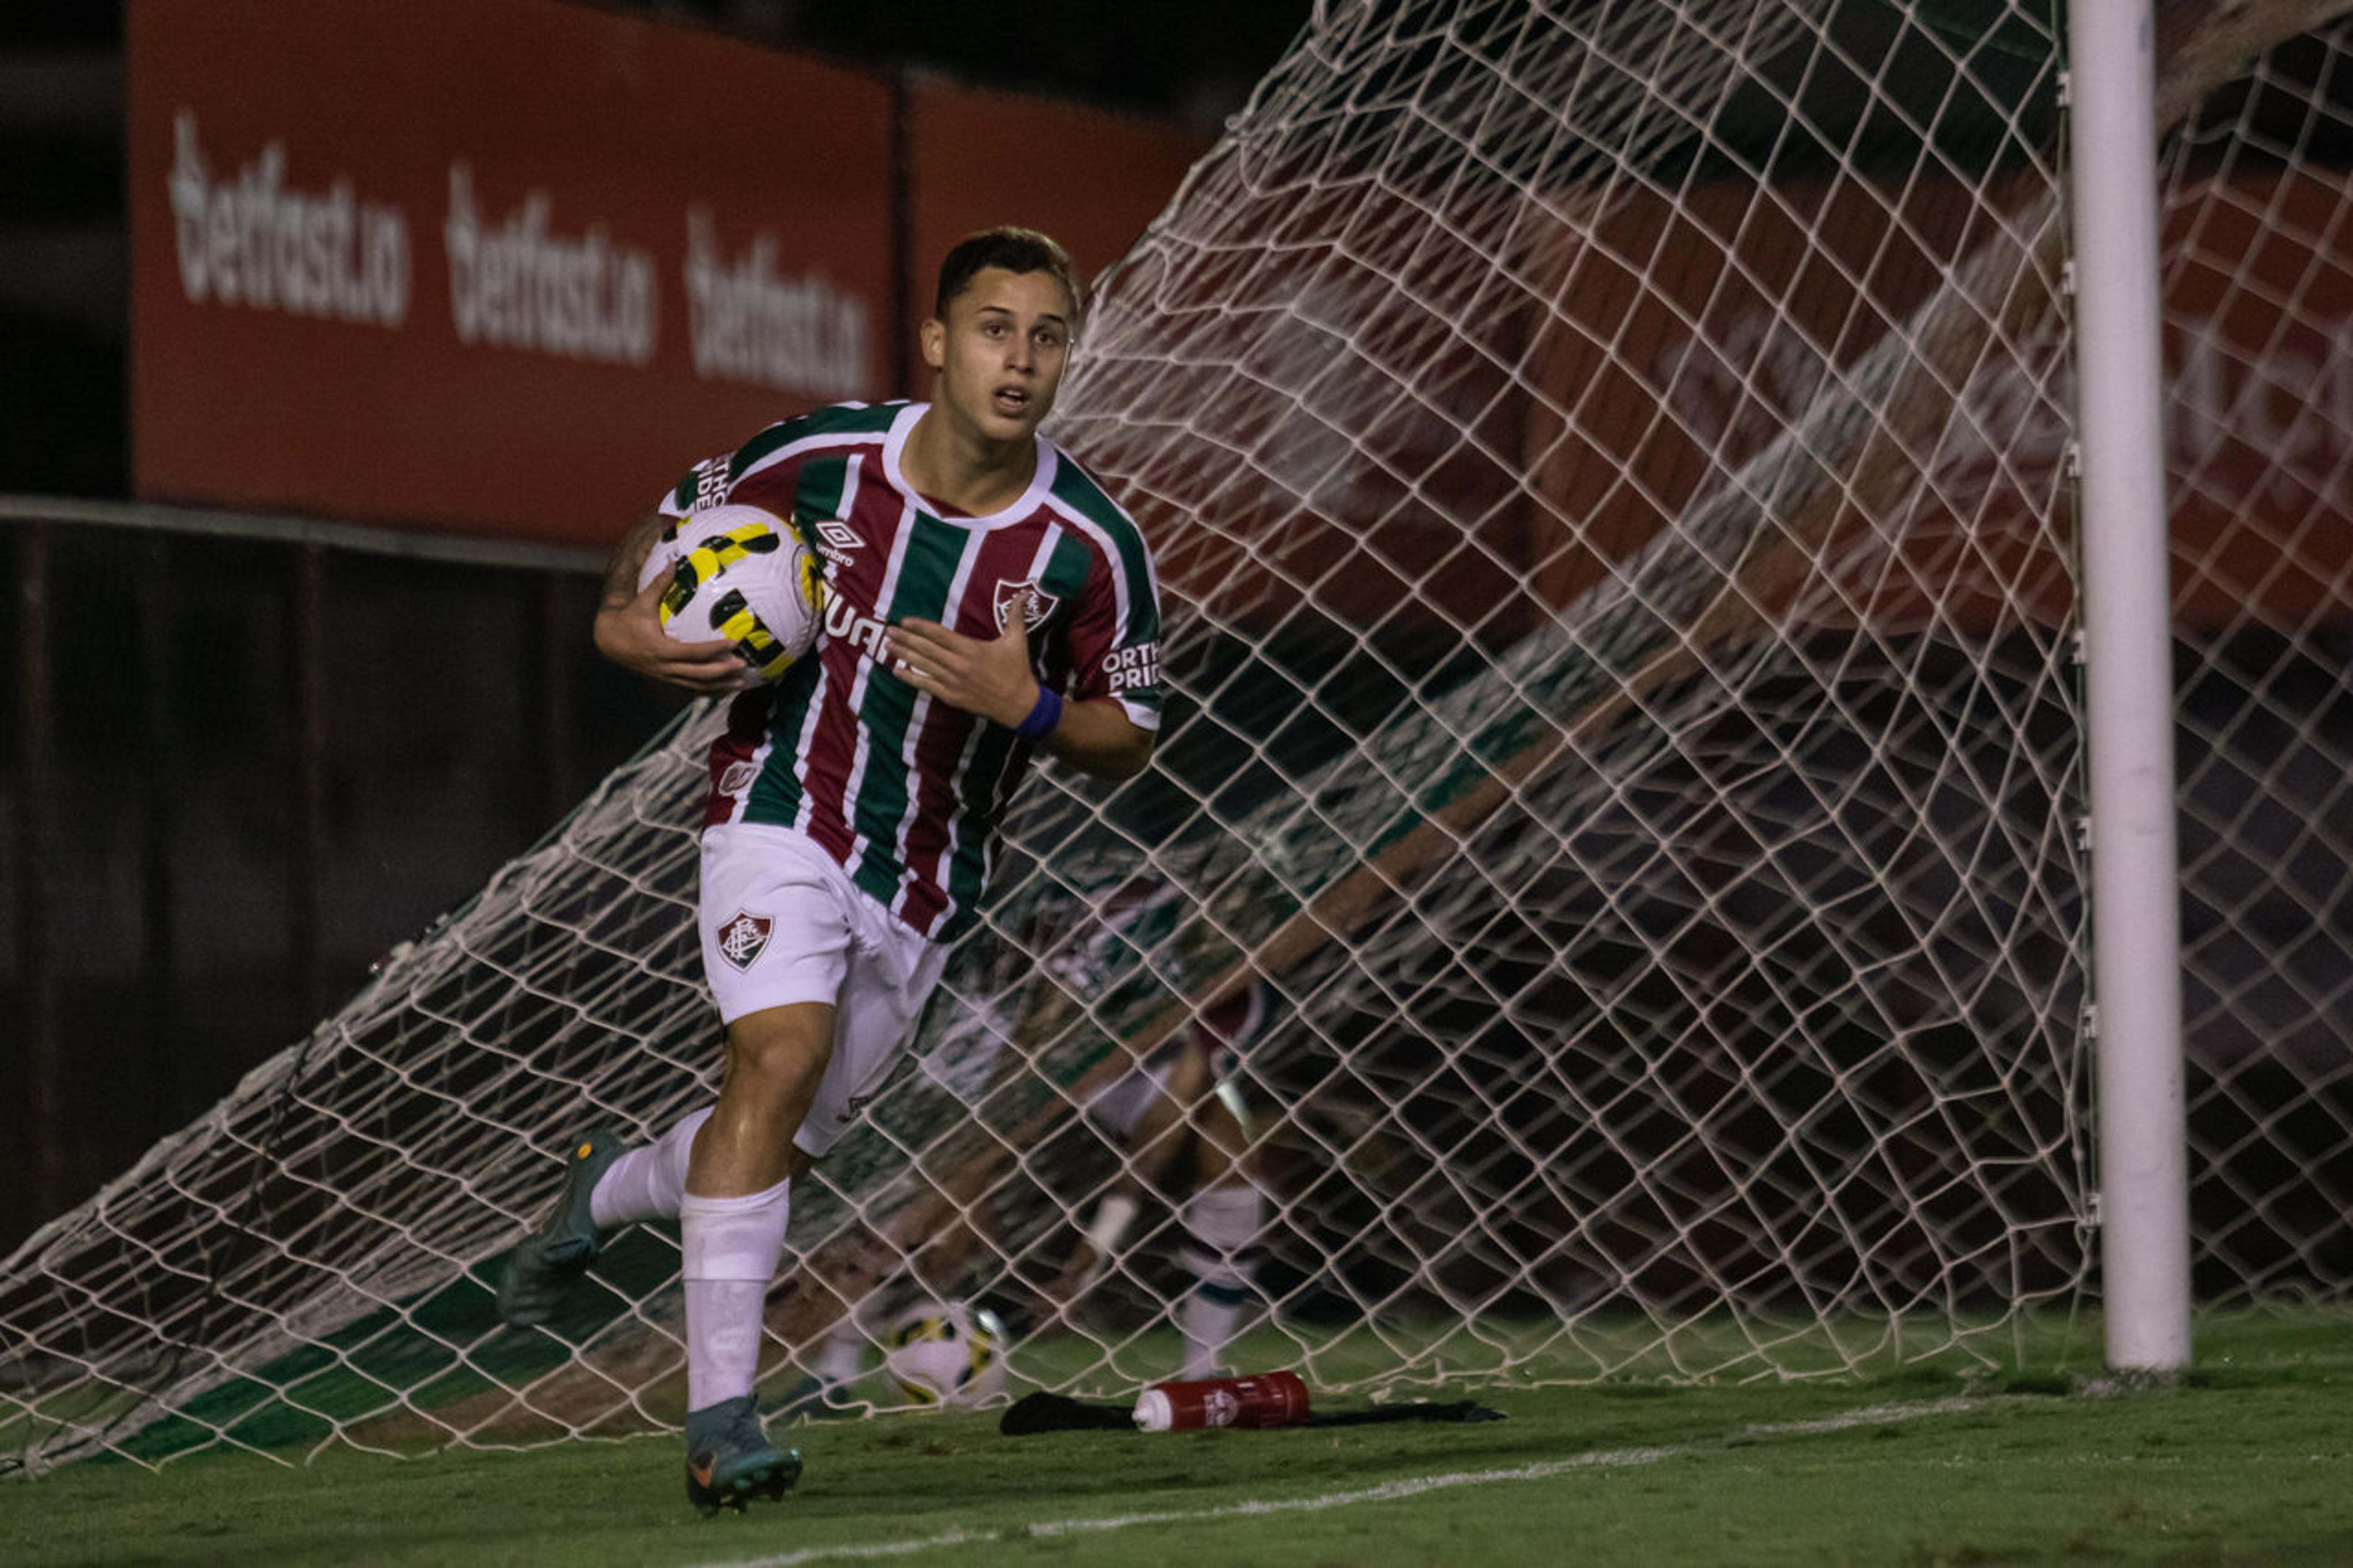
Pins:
x: 782, y: 922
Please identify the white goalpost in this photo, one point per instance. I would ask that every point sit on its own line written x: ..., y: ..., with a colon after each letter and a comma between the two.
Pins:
x: 2129, y: 678
x: 1609, y: 467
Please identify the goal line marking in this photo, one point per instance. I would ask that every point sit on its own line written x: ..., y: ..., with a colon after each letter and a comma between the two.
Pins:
x: 1386, y: 1491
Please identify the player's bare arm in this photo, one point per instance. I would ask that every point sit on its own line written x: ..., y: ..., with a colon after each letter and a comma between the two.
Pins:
x: 991, y: 677
x: 629, y: 630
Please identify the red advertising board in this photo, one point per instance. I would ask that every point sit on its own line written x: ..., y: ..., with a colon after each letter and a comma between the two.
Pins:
x: 2258, y: 313
x: 1510, y: 445
x: 1091, y: 178
x: 502, y: 266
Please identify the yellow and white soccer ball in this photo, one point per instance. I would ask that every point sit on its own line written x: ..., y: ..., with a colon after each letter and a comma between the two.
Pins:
x: 739, y: 573
x: 945, y: 1353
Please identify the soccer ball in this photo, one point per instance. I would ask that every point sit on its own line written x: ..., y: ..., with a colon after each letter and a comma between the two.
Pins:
x: 945, y: 1353
x: 739, y: 573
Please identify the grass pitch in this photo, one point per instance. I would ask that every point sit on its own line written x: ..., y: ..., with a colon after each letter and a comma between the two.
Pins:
x: 2250, y: 1460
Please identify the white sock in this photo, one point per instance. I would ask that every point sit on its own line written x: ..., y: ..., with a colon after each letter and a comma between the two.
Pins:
x: 1207, y: 1319
x: 731, y: 1247
x: 648, y: 1182
x: 842, y: 1356
x: 1221, y: 1224
x: 723, y: 1321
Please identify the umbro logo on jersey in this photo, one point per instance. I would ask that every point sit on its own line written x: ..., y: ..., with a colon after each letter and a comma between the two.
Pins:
x: 836, y: 540
x: 737, y: 778
x: 1041, y: 602
x: 744, y: 937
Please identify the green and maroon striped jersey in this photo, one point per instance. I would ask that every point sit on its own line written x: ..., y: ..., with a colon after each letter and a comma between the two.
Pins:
x: 904, y: 791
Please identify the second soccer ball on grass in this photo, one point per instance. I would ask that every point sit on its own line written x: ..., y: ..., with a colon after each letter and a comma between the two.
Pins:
x: 945, y: 1353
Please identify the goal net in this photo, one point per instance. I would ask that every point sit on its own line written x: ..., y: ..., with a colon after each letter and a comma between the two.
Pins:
x: 1608, y: 464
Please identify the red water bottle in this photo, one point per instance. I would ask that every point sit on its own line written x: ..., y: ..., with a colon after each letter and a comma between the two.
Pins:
x: 1262, y: 1399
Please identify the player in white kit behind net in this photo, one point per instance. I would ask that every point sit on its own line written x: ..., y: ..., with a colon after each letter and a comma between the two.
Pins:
x: 1177, y: 1113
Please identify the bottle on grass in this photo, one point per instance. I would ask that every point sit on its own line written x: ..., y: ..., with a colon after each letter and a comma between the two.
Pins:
x: 1263, y: 1399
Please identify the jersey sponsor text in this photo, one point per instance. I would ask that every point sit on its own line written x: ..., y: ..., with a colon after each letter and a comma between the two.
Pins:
x: 845, y: 622
x: 1131, y: 667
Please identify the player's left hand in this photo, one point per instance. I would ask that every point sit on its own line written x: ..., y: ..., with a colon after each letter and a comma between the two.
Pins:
x: 988, y: 676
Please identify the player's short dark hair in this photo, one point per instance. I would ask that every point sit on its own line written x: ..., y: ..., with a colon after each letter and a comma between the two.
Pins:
x: 1017, y: 250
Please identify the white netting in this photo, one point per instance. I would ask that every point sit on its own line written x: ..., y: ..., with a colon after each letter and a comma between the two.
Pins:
x: 2258, y: 279
x: 1608, y: 468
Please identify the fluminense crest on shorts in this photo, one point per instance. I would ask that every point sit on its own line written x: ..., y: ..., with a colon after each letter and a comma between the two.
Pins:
x: 744, y: 937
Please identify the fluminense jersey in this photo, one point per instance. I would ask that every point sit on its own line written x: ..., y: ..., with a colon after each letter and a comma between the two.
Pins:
x: 906, y: 792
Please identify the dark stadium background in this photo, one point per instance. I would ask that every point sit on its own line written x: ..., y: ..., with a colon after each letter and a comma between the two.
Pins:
x: 199, y: 920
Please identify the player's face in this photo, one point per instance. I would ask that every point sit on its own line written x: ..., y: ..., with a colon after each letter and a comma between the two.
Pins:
x: 1001, y: 351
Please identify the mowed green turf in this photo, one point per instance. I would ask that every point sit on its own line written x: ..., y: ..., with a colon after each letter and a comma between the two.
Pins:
x: 2250, y: 1461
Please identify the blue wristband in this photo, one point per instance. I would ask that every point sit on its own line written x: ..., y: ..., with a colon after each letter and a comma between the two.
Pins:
x: 1042, y: 717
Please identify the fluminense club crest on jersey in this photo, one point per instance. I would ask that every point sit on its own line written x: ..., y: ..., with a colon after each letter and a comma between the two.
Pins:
x: 1041, y: 602
x: 744, y: 937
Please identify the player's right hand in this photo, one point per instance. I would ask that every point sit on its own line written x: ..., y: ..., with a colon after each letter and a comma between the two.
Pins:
x: 631, y: 636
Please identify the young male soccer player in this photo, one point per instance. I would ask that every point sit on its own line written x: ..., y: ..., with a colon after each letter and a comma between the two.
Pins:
x: 983, y: 599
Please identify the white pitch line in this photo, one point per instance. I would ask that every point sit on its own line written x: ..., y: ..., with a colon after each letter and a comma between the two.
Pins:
x: 1387, y: 1491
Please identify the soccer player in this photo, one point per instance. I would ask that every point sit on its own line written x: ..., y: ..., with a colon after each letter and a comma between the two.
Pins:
x: 1176, y: 1113
x: 983, y: 599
